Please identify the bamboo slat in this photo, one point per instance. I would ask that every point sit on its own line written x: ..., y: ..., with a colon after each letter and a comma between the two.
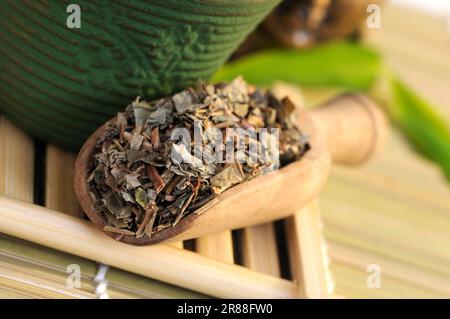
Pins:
x: 390, y: 270
x: 8, y: 293
x: 59, y: 194
x: 178, y: 244
x: 19, y: 279
x: 16, y: 162
x: 307, y: 256
x: 48, y: 267
x: 59, y: 231
x: 393, y: 212
x: 260, y: 249
x: 218, y: 246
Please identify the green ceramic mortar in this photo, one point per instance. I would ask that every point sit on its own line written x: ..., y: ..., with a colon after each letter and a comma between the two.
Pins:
x: 60, y: 84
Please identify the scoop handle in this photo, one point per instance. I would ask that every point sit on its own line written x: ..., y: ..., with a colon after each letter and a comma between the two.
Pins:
x: 353, y: 127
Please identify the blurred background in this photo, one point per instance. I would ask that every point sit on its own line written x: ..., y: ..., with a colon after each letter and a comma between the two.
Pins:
x: 438, y: 8
x: 401, y: 221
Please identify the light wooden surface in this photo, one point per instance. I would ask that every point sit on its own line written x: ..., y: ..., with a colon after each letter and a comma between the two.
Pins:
x: 59, y: 194
x: 217, y: 246
x: 260, y: 249
x: 169, y: 264
x: 16, y: 162
x: 309, y: 266
x: 395, y: 211
x: 178, y: 244
x: 32, y: 271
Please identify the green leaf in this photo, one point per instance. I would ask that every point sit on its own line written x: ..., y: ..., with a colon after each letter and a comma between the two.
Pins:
x: 343, y: 64
x: 419, y: 121
x: 141, y: 197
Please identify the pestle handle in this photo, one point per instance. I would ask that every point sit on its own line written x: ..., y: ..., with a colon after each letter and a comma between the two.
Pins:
x: 353, y: 127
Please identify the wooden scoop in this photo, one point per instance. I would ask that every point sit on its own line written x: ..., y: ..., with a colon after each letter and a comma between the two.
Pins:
x: 347, y: 130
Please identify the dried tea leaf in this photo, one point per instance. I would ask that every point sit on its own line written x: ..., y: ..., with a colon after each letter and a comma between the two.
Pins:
x: 145, y: 178
x: 132, y: 181
x: 113, y: 202
x: 140, y: 115
x: 127, y: 197
x: 241, y: 109
x: 141, y: 197
x: 136, y: 142
x: 182, y: 101
x: 158, y: 117
x: 229, y: 176
x: 181, y: 156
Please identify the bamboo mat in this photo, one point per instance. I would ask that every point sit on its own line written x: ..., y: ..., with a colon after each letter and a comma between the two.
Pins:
x: 32, y: 271
x: 395, y: 211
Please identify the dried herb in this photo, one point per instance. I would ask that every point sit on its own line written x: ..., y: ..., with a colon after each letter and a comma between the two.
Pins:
x: 160, y: 161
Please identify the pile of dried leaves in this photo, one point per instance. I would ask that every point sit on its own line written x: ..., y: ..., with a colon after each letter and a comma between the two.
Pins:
x: 144, y: 176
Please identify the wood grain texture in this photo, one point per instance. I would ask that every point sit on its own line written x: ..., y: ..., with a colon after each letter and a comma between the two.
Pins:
x: 59, y: 193
x: 353, y: 128
x: 259, y: 249
x: 38, y: 271
x: 178, y: 244
x: 394, y: 275
x: 67, y: 233
x: 218, y: 246
x: 308, y: 258
x: 16, y: 162
x: 393, y: 211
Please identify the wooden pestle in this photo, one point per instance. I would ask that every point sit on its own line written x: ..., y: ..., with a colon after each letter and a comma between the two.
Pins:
x: 352, y: 127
